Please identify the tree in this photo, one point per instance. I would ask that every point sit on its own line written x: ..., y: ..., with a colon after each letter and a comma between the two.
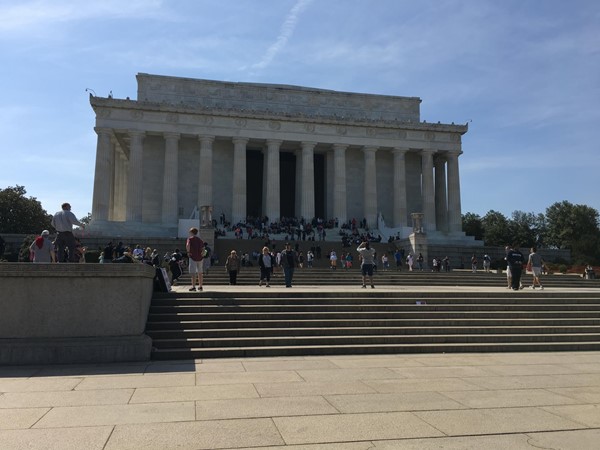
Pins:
x: 21, y: 215
x: 497, y: 229
x: 574, y: 227
x: 524, y: 229
x: 472, y: 226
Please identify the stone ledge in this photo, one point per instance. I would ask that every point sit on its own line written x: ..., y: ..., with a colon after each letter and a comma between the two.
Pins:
x: 75, y: 350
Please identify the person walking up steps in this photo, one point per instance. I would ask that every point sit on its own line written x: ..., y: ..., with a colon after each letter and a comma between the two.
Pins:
x: 195, y: 247
x: 367, y: 255
x: 535, y: 264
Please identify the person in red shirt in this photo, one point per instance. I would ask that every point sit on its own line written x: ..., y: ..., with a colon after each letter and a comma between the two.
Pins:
x: 195, y: 248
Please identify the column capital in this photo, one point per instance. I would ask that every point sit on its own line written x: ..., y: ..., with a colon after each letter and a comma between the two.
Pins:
x: 103, y: 130
x: 453, y: 153
x: 428, y: 151
x: 369, y: 149
x: 308, y: 144
x: 274, y: 142
x: 400, y: 151
x: 206, y: 139
x: 171, y: 135
x: 240, y: 140
x: 136, y: 133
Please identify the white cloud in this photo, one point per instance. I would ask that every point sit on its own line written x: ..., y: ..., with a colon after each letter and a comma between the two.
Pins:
x: 287, y: 29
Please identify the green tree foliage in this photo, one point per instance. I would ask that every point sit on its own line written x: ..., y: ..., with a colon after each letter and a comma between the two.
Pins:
x: 497, y: 229
x: 472, y: 225
x: 528, y: 229
x: 19, y: 214
x: 574, y: 227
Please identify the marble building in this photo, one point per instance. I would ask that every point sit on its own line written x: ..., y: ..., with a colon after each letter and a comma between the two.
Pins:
x: 250, y: 149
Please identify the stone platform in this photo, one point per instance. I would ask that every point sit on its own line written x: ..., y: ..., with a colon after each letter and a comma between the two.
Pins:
x: 494, y: 401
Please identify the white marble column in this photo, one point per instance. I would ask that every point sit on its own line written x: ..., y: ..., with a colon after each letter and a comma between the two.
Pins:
x: 102, y: 175
x: 441, y: 201
x: 121, y: 169
x: 135, y: 176
x: 298, y: 184
x: 370, y: 186
x: 308, y: 180
x: 454, y: 207
x: 170, y: 199
x: 400, y: 208
x: 238, y: 204
x: 113, y: 179
x: 339, y: 183
x: 273, y: 181
x: 205, y: 185
x: 427, y: 193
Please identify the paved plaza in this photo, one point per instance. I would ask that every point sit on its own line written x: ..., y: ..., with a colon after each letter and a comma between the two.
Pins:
x: 412, y: 401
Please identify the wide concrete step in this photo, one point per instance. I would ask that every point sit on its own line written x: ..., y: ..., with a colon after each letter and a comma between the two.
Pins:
x: 287, y: 340
x: 280, y: 322
x: 329, y: 308
x: 381, y: 322
x: 358, y: 349
x: 175, y: 333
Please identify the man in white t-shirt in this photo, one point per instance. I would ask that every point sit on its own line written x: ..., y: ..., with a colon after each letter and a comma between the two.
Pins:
x: 367, y: 255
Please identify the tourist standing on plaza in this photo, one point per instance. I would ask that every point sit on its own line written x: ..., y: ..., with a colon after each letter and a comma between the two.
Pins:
x: 398, y: 257
x: 42, y: 249
x: 333, y: 260
x: 63, y: 222
x: 289, y: 261
x: 474, y: 263
x: 367, y: 255
x: 266, y: 262
x: 232, y: 266
x: 487, y: 262
x: 515, y: 259
x: 385, y: 262
x: 535, y: 264
x: 420, y: 260
x: 310, y: 256
x: 195, y: 248
x: 409, y: 262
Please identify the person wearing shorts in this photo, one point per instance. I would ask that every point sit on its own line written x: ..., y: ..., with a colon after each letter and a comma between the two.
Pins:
x: 367, y: 255
x: 535, y: 263
x: 195, y: 249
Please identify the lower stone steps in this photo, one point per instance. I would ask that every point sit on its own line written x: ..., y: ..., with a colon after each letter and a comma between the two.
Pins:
x: 271, y: 323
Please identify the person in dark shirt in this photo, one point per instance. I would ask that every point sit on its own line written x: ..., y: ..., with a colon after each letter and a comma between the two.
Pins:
x: 289, y: 261
x: 515, y: 260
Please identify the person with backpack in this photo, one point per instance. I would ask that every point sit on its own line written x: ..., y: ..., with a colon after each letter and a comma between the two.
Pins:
x: 195, y: 250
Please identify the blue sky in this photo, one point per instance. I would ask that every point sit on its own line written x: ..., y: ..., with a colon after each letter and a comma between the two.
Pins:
x: 526, y: 73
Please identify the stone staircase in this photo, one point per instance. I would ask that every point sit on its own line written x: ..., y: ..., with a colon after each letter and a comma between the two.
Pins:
x: 326, y: 321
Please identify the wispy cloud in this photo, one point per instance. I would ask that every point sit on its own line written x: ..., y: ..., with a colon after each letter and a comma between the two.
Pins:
x: 37, y: 15
x: 287, y: 29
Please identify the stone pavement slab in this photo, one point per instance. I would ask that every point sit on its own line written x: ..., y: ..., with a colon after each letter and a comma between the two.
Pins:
x: 262, y: 407
x: 443, y: 372
x: 352, y: 427
x: 500, y: 420
x: 319, y: 364
x: 65, y: 398
x: 88, y: 438
x: 273, y: 376
x: 407, y: 401
x: 138, y: 381
x: 417, y: 385
x: 581, y: 394
x: 588, y: 415
x: 376, y: 373
x: 89, y: 416
x: 508, y: 398
x: 196, y: 435
x: 39, y: 384
x: 21, y: 417
x: 193, y: 393
x: 386, y: 362
x: 297, y: 389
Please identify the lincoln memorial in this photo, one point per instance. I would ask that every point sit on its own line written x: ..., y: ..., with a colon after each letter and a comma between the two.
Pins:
x: 251, y: 149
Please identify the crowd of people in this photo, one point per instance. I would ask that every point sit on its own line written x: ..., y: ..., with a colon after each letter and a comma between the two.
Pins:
x: 198, y: 257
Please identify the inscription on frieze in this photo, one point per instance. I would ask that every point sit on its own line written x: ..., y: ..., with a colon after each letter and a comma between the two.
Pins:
x: 276, y: 99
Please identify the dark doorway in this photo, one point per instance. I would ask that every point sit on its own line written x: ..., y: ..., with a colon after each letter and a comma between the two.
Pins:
x: 287, y: 183
x: 254, y: 183
x: 320, y: 186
